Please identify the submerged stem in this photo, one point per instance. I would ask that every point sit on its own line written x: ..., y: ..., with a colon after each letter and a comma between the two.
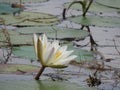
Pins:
x: 39, y: 73
x: 84, y: 13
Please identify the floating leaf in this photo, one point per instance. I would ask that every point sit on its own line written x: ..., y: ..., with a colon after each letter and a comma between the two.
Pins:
x: 6, y: 8
x: 28, y: 52
x: 40, y: 85
x: 102, y: 21
x: 23, y: 1
x: 31, y: 30
x: 24, y: 35
x: 110, y: 3
x: 17, y: 68
x: 25, y: 52
x: 70, y: 33
x: 53, y: 32
x: 82, y: 55
x: 95, y: 7
x: 16, y: 38
x: 30, y: 19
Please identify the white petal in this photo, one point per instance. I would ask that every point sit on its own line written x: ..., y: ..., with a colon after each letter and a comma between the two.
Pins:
x: 55, y: 44
x: 66, y: 61
x: 43, y: 45
x: 45, y: 39
x: 40, y: 51
x: 49, y: 53
x: 64, y: 55
x: 63, y: 48
x: 67, y: 53
x: 55, y: 55
x: 59, y: 53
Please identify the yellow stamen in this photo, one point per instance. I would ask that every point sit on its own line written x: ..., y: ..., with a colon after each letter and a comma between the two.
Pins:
x: 57, y: 55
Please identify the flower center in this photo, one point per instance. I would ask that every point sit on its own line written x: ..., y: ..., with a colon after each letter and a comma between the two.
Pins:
x: 57, y: 55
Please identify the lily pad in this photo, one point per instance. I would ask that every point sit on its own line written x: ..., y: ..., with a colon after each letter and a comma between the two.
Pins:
x: 110, y: 3
x: 82, y: 55
x: 70, y: 33
x: 31, y: 30
x: 23, y: 1
x: 25, y: 52
x: 30, y: 19
x: 29, y: 53
x: 102, y: 21
x: 17, y: 68
x: 23, y: 36
x: 16, y: 38
x: 55, y: 32
x: 95, y: 7
x: 40, y: 85
x: 6, y: 8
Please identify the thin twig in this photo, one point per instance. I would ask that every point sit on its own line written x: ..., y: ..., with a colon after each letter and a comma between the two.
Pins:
x: 116, y: 47
x: 8, y: 46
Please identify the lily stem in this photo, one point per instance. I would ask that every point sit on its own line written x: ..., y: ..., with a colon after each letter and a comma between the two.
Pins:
x: 39, y: 73
x: 84, y: 13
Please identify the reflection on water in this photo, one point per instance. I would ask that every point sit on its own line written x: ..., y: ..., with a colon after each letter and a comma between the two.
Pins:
x: 54, y: 85
x: 39, y: 85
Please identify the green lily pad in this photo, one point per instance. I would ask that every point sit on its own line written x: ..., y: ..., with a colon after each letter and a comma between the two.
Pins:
x: 82, y: 55
x: 23, y: 1
x: 23, y: 36
x: 29, y: 53
x: 40, y: 85
x: 110, y: 3
x: 102, y: 21
x: 25, y: 52
x: 31, y: 30
x: 69, y: 33
x: 17, y: 68
x: 6, y: 8
x: 21, y: 40
x: 16, y: 38
x: 30, y: 19
x: 95, y: 7
x: 55, y: 32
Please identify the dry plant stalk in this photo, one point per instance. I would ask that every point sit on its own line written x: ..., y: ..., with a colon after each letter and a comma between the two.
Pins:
x: 116, y: 46
x: 7, y: 46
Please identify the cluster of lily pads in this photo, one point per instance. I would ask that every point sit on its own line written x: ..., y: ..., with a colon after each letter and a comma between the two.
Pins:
x: 39, y: 23
x: 96, y: 16
x: 45, y: 23
x: 30, y: 22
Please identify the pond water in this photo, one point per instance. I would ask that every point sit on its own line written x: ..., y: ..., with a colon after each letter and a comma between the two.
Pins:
x: 77, y: 74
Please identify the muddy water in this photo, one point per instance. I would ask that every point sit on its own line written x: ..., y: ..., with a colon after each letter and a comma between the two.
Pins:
x: 103, y: 37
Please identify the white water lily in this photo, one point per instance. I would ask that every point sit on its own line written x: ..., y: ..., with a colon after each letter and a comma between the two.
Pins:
x: 51, y: 54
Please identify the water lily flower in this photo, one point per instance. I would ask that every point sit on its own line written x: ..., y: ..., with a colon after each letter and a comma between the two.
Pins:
x: 51, y: 54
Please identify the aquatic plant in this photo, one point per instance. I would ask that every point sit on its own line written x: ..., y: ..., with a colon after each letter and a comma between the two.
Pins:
x: 6, y: 43
x: 51, y: 54
x: 85, y: 7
